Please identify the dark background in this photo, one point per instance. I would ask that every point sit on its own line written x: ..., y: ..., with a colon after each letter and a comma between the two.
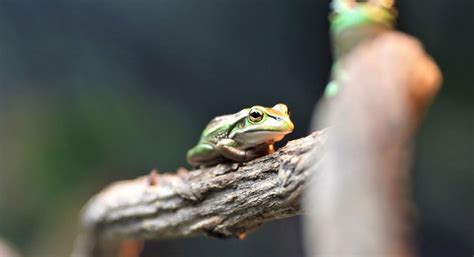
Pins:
x: 93, y: 91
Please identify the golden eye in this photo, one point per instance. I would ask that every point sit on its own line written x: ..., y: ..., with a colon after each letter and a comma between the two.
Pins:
x: 255, y: 115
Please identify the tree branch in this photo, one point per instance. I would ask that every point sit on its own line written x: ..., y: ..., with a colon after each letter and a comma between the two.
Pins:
x: 224, y: 201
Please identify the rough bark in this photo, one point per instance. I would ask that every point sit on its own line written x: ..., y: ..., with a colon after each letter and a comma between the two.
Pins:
x: 227, y: 200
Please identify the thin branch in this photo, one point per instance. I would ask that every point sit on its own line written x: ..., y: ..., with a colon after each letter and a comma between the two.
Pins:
x: 224, y: 201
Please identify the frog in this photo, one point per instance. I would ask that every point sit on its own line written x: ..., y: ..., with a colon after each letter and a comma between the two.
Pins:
x: 242, y: 136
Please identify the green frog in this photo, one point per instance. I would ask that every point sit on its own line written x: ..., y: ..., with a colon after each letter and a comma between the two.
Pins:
x: 242, y: 136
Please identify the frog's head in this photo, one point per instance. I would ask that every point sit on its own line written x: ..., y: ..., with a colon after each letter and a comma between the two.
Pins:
x: 263, y: 125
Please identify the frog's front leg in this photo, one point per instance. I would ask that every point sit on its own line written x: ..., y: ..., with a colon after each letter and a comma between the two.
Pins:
x: 228, y: 149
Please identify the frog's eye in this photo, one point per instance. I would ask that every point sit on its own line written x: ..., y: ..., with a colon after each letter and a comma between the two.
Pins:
x: 255, y: 115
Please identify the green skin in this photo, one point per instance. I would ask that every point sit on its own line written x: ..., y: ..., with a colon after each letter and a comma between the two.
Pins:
x: 242, y: 136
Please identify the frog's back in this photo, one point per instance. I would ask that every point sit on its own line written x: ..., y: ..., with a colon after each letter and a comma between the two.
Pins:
x: 220, y: 127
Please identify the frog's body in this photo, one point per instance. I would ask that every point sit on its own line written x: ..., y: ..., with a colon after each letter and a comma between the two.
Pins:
x: 242, y: 136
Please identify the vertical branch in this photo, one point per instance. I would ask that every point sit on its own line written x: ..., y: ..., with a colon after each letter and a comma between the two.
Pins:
x: 361, y: 202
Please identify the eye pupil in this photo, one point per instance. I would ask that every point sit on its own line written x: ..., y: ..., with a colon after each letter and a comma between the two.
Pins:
x: 255, y: 115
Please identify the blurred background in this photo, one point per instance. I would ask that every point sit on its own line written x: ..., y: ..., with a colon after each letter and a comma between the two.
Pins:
x: 94, y: 91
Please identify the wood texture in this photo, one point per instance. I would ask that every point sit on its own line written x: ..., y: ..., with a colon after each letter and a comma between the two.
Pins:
x: 224, y: 201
